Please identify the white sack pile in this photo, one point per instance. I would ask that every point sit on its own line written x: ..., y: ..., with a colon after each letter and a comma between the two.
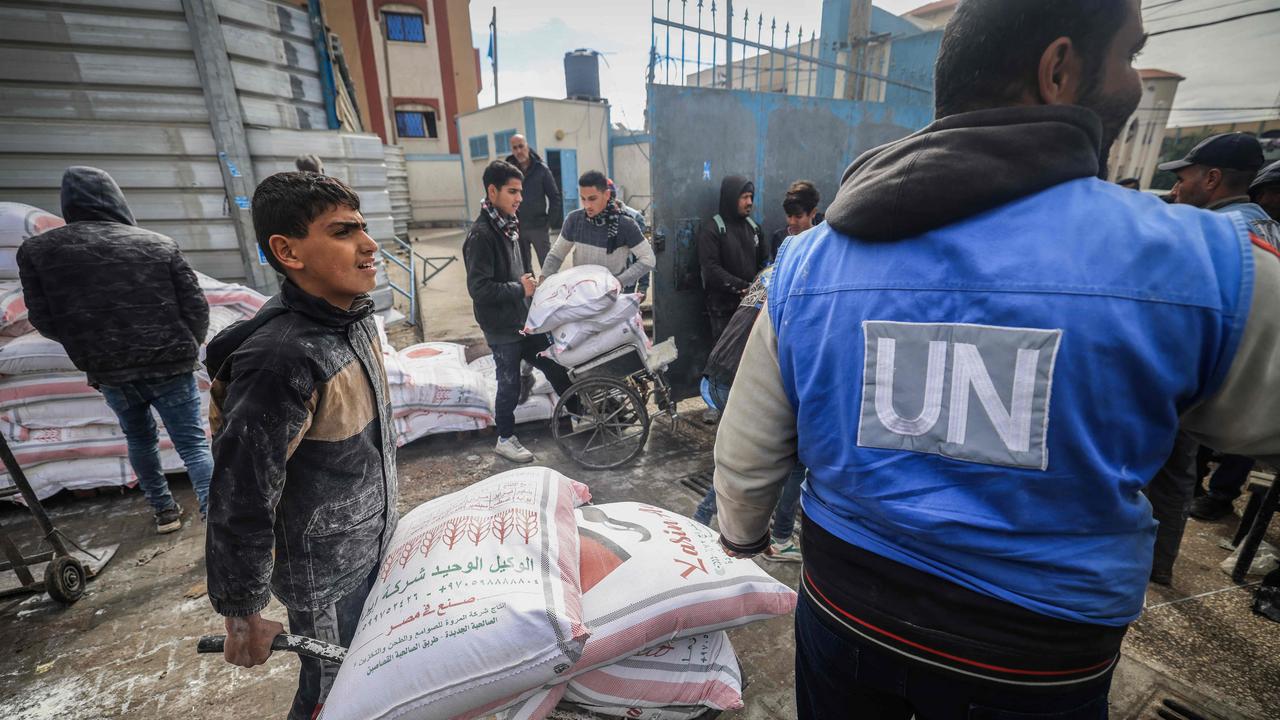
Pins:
x: 503, y: 598
x: 587, y: 315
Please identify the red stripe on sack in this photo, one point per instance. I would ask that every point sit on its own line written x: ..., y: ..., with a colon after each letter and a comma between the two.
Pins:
x: 949, y: 656
x: 721, y: 613
x: 1263, y: 245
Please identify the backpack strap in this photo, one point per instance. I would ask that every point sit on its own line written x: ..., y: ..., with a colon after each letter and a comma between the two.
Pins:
x: 720, y: 228
x: 755, y: 229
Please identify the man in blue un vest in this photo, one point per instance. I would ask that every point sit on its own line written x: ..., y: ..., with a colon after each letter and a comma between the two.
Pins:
x: 981, y: 385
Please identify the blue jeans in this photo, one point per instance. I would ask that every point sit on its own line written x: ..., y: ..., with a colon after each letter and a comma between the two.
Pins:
x: 840, y: 678
x: 177, y: 399
x: 784, y: 515
x: 506, y: 360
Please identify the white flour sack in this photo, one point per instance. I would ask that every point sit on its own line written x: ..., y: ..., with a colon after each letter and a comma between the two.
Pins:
x: 650, y: 576
x: 19, y: 222
x: 696, y: 672
x: 625, y: 308
x: 33, y: 354
x: 578, y: 293
x: 436, y: 379
x: 477, y: 600
x: 629, y: 332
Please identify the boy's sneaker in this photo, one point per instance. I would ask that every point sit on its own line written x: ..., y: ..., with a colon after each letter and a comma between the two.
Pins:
x: 511, y: 449
x: 786, y: 551
x: 170, y: 520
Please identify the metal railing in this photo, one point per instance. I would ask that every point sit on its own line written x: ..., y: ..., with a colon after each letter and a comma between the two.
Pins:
x: 431, y: 267
x: 410, y: 292
x: 796, y: 67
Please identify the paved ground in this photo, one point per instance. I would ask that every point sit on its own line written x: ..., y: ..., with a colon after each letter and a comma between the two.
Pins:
x: 127, y: 649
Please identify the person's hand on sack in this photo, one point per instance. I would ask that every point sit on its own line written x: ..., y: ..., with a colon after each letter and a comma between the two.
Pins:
x: 529, y: 283
x: 249, y: 639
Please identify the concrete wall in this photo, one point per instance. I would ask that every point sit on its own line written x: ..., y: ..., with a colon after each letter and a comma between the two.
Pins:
x: 548, y: 125
x: 436, y: 190
x: 631, y: 173
x: 577, y: 125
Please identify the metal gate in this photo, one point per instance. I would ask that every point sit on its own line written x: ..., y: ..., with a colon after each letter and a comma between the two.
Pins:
x: 776, y: 130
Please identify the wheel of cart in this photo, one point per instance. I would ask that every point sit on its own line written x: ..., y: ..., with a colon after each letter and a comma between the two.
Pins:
x: 65, y: 576
x: 602, y: 421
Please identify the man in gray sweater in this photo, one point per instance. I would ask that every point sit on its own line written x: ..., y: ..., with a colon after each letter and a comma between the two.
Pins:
x: 599, y: 233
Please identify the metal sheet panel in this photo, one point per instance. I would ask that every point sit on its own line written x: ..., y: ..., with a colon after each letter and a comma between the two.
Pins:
x: 114, y: 84
x: 163, y: 105
x: 700, y: 136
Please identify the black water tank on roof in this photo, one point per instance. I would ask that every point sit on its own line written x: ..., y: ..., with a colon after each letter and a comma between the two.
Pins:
x: 582, y: 74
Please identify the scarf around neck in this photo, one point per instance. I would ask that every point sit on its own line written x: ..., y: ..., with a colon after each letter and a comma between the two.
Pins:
x: 608, y: 218
x: 506, y: 226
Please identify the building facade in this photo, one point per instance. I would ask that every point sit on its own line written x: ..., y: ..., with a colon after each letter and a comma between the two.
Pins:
x: 571, y: 136
x: 1136, y: 152
x: 414, y: 71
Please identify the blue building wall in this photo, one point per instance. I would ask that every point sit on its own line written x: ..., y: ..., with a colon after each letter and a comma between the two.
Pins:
x: 911, y: 60
x: 911, y: 56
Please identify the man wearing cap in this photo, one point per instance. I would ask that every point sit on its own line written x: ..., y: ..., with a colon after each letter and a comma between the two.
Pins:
x: 1265, y: 190
x: 1215, y: 175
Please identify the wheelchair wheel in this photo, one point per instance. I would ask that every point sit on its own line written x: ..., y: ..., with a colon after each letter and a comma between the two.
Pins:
x: 601, y: 423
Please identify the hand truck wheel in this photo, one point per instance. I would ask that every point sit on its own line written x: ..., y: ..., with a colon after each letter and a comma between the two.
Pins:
x: 601, y: 423
x: 64, y: 579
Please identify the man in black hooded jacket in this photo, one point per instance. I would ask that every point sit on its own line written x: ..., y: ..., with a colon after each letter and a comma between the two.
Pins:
x: 731, y: 251
x: 130, y: 313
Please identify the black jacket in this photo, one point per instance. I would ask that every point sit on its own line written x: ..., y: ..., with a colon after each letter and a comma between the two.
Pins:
x: 731, y: 260
x: 780, y: 236
x: 303, y: 497
x: 497, y: 301
x: 542, y: 201
x: 122, y: 300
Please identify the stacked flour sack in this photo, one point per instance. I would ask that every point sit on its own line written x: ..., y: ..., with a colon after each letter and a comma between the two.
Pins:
x: 516, y: 595
x: 60, y: 430
x: 586, y: 313
x: 432, y: 389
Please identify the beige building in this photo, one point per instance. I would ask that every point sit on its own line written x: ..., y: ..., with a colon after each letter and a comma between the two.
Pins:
x: 571, y: 136
x: 934, y: 15
x: 414, y: 71
x: 1137, y: 151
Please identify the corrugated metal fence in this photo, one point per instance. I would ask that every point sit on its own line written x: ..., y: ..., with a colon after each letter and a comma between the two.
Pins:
x: 114, y: 84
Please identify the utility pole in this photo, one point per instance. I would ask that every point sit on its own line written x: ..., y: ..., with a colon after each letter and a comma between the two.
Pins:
x: 227, y: 124
x: 859, y: 30
x: 493, y: 34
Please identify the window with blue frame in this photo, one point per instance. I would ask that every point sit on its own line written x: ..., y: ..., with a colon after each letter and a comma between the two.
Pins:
x: 416, y: 124
x: 502, y: 142
x: 405, y: 27
x: 479, y: 147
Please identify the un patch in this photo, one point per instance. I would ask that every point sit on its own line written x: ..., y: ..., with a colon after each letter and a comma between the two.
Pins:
x: 971, y: 392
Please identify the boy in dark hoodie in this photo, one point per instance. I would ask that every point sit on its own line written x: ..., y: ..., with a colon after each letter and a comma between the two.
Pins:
x: 129, y: 311
x: 303, y: 499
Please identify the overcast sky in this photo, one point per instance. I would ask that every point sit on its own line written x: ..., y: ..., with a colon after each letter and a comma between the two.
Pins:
x: 1229, y: 65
